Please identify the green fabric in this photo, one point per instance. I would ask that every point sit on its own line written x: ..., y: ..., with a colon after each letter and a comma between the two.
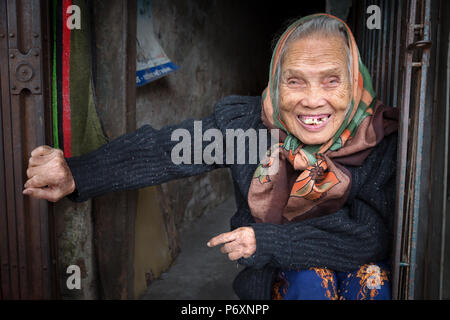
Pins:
x: 87, y: 133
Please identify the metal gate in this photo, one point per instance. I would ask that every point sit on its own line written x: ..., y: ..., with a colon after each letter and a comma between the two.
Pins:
x: 26, y: 250
x: 402, y: 57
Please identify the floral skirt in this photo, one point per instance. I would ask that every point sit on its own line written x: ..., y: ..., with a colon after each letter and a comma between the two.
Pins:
x: 369, y: 282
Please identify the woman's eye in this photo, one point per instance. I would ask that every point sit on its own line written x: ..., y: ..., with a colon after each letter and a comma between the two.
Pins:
x: 332, y: 81
x: 295, y: 82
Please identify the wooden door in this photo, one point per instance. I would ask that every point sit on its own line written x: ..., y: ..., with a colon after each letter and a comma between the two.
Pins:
x: 26, y: 244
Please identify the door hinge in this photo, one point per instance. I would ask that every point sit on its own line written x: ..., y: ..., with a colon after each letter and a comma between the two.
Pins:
x: 25, y: 71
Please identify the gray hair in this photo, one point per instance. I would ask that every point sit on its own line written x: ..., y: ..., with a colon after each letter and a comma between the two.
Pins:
x: 318, y: 25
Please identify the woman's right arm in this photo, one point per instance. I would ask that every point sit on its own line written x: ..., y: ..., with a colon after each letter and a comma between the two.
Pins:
x: 134, y: 160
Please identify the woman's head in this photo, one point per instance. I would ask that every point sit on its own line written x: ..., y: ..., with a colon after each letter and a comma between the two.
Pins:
x: 316, y: 72
x: 313, y: 80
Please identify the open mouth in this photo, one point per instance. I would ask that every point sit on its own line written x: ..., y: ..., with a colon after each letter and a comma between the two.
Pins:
x: 314, y: 122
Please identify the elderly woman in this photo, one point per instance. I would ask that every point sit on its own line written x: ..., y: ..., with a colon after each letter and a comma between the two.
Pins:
x: 318, y: 227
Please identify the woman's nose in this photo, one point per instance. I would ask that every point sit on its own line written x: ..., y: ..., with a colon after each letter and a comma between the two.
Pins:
x: 314, y: 98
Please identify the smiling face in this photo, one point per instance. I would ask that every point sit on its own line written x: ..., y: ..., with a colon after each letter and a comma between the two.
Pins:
x: 314, y: 90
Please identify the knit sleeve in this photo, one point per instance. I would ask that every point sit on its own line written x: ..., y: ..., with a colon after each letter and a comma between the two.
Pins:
x: 359, y: 233
x: 139, y: 159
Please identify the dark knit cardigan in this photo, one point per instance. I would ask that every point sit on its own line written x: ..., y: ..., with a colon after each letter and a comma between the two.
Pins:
x: 359, y: 233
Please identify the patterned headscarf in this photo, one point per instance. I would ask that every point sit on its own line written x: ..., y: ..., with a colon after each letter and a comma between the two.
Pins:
x: 307, y: 182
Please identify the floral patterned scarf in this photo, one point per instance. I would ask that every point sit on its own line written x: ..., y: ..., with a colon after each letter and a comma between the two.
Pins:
x: 311, y: 180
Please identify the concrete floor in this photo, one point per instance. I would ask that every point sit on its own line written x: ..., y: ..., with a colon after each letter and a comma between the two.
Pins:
x: 199, y: 272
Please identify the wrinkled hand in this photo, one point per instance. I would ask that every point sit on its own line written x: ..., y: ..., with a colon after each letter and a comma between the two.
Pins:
x: 49, y: 176
x: 239, y: 243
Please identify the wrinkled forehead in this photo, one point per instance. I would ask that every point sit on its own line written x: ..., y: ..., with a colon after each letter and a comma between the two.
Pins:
x: 329, y: 51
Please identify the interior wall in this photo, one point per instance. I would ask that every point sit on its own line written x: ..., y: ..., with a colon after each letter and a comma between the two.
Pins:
x: 200, y: 37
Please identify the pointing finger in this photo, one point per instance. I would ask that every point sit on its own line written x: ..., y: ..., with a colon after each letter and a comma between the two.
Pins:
x: 222, y: 238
